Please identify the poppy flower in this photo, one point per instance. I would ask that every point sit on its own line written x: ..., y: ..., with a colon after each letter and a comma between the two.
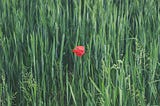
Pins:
x: 79, y: 50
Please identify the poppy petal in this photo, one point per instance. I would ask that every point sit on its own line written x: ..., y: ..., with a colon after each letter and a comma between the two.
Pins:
x: 79, y: 50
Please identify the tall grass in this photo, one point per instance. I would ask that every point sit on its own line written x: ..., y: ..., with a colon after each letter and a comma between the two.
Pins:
x: 121, y: 66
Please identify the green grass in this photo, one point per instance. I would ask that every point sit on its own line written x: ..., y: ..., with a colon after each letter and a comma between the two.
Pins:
x: 121, y: 66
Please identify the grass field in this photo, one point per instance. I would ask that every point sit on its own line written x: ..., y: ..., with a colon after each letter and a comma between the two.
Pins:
x: 121, y: 65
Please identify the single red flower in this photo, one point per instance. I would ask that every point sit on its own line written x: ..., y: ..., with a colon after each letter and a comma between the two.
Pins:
x: 79, y: 50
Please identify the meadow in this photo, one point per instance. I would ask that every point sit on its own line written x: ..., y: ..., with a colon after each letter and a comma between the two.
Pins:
x: 120, y: 67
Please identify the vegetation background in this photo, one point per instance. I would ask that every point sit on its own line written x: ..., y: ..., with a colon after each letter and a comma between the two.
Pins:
x: 121, y: 66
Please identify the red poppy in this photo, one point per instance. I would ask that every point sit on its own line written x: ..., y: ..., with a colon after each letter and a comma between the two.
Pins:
x: 79, y: 50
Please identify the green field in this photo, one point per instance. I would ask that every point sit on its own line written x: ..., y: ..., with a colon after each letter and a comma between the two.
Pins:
x: 120, y: 67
